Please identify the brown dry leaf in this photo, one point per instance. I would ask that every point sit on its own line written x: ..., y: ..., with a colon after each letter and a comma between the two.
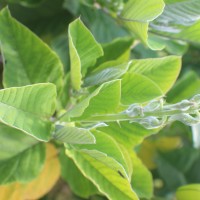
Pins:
x: 39, y: 186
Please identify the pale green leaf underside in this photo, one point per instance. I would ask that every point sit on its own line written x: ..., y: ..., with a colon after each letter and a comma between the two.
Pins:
x: 179, y: 13
x: 137, y: 88
x: 162, y: 71
x: 107, y: 180
x: 180, y: 20
x: 137, y: 14
x: 107, y: 151
x: 29, y: 108
x: 17, y: 153
x: 107, y: 74
x: 27, y: 59
x: 189, y: 34
x: 105, y: 99
x: 84, y: 50
x: 74, y: 135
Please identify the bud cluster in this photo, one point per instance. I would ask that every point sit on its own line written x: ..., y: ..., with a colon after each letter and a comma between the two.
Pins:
x: 157, y: 114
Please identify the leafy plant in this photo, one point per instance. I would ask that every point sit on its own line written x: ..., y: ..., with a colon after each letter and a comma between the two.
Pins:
x: 94, y: 116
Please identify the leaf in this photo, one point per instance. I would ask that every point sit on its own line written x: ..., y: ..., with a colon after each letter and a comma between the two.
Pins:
x: 72, y: 6
x: 28, y: 3
x: 106, y: 74
x: 60, y: 46
x: 137, y: 88
x: 106, y: 150
x: 108, y: 181
x: 149, y: 149
x: 171, y: 176
x: 185, y: 88
x: 29, y: 108
x: 137, y: 14
x: 127, y: 134
x: 105, y: 99
x: 118, y: 49
x: 17, y: 152
x: 78, y: 183
x: 50, y: 14
x: 39, y: 186
x: 74, y: 135
x: 19, y: 168
x: 33, y: 60
x: 84, y: 51
x: 177, y: 13
x: 162, y: 71
x: 180, y: 20
x: 188, y: 191
x: 101, y: 24
x: 142, y: 181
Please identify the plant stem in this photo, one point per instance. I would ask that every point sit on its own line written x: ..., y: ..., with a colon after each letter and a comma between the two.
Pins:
x: 124, y: 117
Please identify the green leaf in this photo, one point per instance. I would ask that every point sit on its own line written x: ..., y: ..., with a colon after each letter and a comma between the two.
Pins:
x: 177, y: 13
x: 141, y: 181
x: 28, y: 3
x: 137, y: 88
x: 107, y: 151
x: 171, y: 175
x: 191, y: 191
x: 33, y: 61
x: 77, y: 182
x: 186, y: 87
x: 174, y: 47
x: 101, y: 24
x: 107, y: 74
x: 189, y: 34
x: 60, y: 46
x: 84, y: 51
x: 137, y: 14
x: 74, y: 135
x: 162, y: 71
x: 119, y: 49
x: 105, y: 99
x: 127, y: 134
x: 180, y: 20
x: 29, y: 108
x: 108, y: 181
x: 17, y: 153
x: 72, y: 6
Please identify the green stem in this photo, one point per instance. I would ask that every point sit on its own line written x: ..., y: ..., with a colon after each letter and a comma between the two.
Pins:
x: 125, y: 117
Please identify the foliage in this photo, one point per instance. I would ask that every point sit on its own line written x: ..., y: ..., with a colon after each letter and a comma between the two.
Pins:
x: 97, y: 105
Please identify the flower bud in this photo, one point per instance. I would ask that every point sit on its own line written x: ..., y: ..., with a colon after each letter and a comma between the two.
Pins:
x: 196, y: 99
x: 184, y: 105
x: 153, y: 106
x: 150, y: 122
x: 134, y: 110
x: 185, y: 118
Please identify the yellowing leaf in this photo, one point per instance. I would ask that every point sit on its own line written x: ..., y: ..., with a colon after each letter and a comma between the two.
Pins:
x: 168, y: 143
x: 39, y: 186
